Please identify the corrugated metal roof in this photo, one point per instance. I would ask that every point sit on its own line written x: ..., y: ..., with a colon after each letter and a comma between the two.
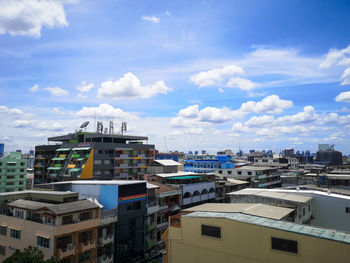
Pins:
x: 268, y: 211
x: 274, y: 194
x: 324, y: 233
x: 168, y: 162
x: 58, y: 209
x: 180, y: 173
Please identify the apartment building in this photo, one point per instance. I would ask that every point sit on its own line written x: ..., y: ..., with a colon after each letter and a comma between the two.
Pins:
x: 67, y: 231
x: 301, y: 204
x: 164, y: 166
x: 121, y: 232
x: 92, y: 155
x: 279, y: 162
x: 259, y: 177
x: 208, y: 163
x: 223, y: 186
x: 13, y: 170
x: 228, y: 234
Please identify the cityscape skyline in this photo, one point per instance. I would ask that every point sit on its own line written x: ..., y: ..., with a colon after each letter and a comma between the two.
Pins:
x: 191, y: 76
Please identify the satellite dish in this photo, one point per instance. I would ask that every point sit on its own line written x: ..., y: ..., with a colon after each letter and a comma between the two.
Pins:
x: 84, y: 125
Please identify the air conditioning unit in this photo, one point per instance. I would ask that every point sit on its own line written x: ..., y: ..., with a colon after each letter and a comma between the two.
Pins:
x: 76, y: 220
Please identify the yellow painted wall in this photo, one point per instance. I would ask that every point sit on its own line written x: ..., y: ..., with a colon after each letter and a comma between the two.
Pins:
x: 88, y: 171
x: 246, y: 243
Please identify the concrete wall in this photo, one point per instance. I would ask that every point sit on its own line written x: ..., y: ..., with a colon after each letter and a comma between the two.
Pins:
x: 246, y: 243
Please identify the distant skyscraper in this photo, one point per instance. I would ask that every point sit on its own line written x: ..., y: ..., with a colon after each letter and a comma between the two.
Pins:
x: 2, y: 149
x: 288, y: 152
x: 196, y: 152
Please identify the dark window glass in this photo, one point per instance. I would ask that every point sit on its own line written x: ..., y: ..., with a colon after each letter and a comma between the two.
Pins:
x: 211, y: 231
x: 284, y: 245
x: 3, y: 230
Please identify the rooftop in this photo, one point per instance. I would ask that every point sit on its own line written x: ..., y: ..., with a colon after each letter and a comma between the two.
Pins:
x: 58, y: 209
x: 262, y: 210
x: 180, y: 173
x: 275, y: 195
x: 168, y: 162
x: 318, y: 232
x: 254, y: 168
x: 162, y: 188
x: 102, y: 182
x: 237, y: 182
x: 70, y: 136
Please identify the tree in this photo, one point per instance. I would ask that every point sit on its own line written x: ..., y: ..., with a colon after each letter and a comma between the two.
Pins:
x: 29, y: 255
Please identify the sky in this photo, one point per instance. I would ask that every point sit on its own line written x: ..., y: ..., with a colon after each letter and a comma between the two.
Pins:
x: 190, y: 75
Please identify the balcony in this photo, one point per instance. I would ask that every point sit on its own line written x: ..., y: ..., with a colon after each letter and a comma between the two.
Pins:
x: 87, y: 246
x: 67, y: 251
x: 105, y: 240
x: 105, y: 259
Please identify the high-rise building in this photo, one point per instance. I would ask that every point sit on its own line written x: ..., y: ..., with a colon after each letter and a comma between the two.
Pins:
x: 327, y: 155
x: 13, y: 170
x: 88, y: 155
x: 288, y: 153
x: 2, y: 149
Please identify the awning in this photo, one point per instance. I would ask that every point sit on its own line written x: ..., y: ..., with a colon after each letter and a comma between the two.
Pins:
x: 54, y: 168
x: 80, y: 159
x: 82, y: 149
x: 184, y: 177
x: 74, y: 170
x: 63, y: 149
x: 58, y: 159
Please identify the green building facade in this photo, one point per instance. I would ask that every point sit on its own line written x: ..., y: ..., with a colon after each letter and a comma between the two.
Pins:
x: 13, y: 170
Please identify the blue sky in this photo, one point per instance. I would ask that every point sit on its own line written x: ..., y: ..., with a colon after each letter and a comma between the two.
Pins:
x: 191, y: 75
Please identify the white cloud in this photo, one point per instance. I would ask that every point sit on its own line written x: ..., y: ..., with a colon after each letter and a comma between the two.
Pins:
x: 306, y: 116
x: 345, y: 77
x: 216, y: 115
x: 239, y: 127
x: 215, y: 76
x: 343, y: 97
x: 189, y: 112
x: 271, y: 104
x: 85, y: 87
x: 129, y: 86
x: 56, y: 91
x: 15, y: 111
x: 34, y: 88
x: 152, y: 19
x: 50, y: 126
x: 21, y: 123
x: 82, y: 96
x: 257, y: 121
x: 240, y: 83
x: 333, y: 56
x: 106, y: 111
x: 28, y: 17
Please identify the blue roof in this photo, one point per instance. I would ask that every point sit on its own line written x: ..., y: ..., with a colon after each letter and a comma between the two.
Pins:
x: 314, y: 231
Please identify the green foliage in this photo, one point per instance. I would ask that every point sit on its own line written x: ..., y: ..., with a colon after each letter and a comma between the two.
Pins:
x: 29, y: 255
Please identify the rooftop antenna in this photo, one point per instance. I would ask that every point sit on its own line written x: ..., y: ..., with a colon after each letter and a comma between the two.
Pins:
x: 111, y: 127
x: 166, y: 146
x: 99, y: 127
x: 123, y: 129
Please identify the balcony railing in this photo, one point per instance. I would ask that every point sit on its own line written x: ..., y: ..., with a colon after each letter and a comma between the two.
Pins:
x: 67, y: 251
x: 105, y: 240
x: 87, y: 245
x: 105, y: 258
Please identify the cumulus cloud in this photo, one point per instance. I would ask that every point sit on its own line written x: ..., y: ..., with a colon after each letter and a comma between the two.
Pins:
x: 343, y: 97
x: 216, y: 115
x: 57, y: 91
x: 21, y: 123
x: 257, y: 121
x: 85, y: 87
x: 48, y: 126
x: 129, y: 86
x: 189, y: 112
x: 35, y: 88
x: 306, y: 116
x: 5, y: 109
x: 106, y: 111
x: 240, y: 83
x: 271, y: 104
x: 28, y: 17
x: 345, y: 77
x: 215, y: 76
x: 152, y: 19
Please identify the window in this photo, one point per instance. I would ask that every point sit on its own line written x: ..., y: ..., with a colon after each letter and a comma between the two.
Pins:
x: 309, y: 206
x: 220, y: 171
x: 229, y: 172
x: 15, y: 233
x: 137, y: 205
x: 19, y: 214
x: 303, y: 211
x: 129, y: 207
x: 239, y: 172
x: 2, y: 250
x: 347, y: 209
x: 43, y: 242
x: 107, y: 161
x: 67, y: 220
x: 284, y: 245
x: 97, y: 162
x: 249, y: 173
x: 211, y: 231
x: 85, y: 216
x: 3, y: 230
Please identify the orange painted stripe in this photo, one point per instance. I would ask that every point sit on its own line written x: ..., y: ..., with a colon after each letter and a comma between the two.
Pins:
x: 131, y: 197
